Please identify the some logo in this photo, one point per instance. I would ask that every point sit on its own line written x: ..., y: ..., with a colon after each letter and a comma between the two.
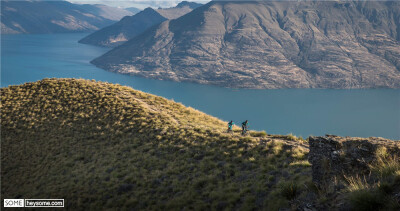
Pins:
x: 14, y: 203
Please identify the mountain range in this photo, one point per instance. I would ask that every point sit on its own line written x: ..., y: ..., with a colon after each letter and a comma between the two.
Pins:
x: 269, y: 45
x: 131, y: 26
x: 56, y: 17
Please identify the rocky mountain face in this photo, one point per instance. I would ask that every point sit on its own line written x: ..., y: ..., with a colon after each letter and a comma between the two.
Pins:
x: 55, y: 17
x: 132, y: 26
x: 269, y: 45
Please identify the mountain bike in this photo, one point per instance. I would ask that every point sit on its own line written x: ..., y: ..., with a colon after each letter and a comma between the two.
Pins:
x: 245, y: 131
x: 229, y: 130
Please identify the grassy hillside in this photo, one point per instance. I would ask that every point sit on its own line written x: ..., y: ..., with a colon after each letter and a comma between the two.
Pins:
x: 101, y: 145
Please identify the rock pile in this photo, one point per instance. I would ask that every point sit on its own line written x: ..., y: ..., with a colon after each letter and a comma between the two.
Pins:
x: 333, y: 157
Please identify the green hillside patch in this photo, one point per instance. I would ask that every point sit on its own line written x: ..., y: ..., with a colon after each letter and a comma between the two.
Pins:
x: 105, y: 146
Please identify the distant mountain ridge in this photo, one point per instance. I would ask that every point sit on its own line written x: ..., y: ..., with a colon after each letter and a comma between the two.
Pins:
x: 269, y: 45
x: 192, y: 5
x: 126, y: 28
x: 55, y: 17
x: 133, y: 10
x: 132, y: 26
x: 179, y: 10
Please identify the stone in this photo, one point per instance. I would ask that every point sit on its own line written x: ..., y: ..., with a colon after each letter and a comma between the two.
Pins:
x: 332, y: 157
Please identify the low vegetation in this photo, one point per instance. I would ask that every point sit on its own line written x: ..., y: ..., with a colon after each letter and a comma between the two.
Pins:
x: 376, y: 191
x: 106, y: 146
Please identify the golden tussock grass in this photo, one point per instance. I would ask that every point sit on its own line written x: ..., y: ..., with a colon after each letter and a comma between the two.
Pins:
x: 105, y: 146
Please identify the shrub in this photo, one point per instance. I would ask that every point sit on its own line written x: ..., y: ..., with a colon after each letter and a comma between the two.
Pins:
x: 374, y: 192
x: 304, y: 163
x: 365, y: 200
x: 385, y: 187
x: 292, y: 137
x: 298, y: 153
x: 258, y: 133
x: 386, y: 166
x: 397, y: 177
x: 356, y: 183
x: 289, y: 190
x: 381, y: 152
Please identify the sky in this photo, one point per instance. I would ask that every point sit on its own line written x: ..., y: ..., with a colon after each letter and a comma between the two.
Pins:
x: 141, y: 4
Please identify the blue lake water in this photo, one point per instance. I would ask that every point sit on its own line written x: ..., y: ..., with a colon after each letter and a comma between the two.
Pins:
x: 303, y: 112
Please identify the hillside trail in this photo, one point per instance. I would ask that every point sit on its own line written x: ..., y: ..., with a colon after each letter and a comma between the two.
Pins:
x: 127, y: 98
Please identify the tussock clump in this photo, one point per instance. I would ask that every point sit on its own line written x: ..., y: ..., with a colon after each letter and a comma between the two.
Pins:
x: 376, y: 190
x: 289, y: 190
x: 258, y: 133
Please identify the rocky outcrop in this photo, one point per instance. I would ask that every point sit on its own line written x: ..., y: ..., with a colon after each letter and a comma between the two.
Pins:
x: 332, y: 157
x: 270, y: 45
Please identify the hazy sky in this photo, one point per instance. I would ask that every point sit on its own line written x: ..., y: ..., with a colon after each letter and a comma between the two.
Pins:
x: 141, y: 4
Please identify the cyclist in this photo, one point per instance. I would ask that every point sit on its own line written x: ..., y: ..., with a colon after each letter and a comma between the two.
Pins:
x: 230, y: 125
x: 245, y: 126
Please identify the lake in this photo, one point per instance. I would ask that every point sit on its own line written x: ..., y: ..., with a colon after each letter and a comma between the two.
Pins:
x: 303, y: 112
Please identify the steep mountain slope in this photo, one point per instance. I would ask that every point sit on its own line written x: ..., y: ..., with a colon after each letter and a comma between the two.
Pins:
x: 126, y: 28
x: 132, y: 26
x: 55, y: 17
x: 268, y: 44
x: 106, y: 146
